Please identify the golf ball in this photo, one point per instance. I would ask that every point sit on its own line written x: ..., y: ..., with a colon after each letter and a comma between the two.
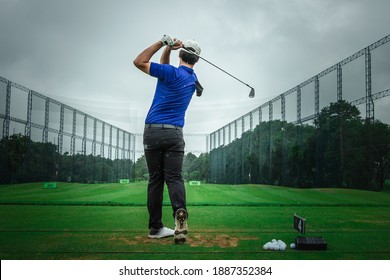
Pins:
x: 275, y: 245
x: 292, y: 245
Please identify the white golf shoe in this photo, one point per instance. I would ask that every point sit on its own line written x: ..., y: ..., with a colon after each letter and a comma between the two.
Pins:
x: 161, y: 233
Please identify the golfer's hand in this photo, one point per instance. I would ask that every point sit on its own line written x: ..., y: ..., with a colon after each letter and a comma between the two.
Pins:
x: 177, y: 44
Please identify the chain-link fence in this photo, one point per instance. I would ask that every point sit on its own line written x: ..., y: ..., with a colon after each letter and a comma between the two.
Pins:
x: 43, y: 139
x: 330, y: 130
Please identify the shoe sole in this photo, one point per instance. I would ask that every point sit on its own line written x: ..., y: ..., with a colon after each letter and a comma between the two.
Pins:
x: 180, y: 239
x: 181, y: 233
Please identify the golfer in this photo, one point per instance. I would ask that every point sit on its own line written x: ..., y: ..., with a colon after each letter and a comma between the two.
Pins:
x: 163, y: 134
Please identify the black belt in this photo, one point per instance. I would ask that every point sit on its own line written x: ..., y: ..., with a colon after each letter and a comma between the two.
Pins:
x: 157, y: 125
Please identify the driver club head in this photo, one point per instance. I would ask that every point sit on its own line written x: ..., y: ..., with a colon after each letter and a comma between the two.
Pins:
x: 252, y: 93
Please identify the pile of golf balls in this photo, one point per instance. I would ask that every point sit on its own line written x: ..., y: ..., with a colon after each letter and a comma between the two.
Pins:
x: 275, y: 245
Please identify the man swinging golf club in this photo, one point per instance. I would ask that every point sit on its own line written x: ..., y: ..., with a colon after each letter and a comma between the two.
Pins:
x: 163, y: 135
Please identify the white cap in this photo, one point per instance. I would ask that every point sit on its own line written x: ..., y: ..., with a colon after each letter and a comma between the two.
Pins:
x: 192, y: 44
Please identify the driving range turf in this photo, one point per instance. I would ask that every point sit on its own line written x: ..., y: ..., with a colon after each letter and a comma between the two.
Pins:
x: 109, y: 221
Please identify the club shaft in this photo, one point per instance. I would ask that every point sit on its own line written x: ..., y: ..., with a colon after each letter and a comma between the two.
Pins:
x: 224, y: 71
x: 218, y: 68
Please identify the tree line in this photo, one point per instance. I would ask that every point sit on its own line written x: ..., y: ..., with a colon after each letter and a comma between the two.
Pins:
x: 23, y: 160
x: 340, y: 149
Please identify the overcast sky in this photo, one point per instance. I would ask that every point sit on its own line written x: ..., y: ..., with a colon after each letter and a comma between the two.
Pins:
x: 80, y: 52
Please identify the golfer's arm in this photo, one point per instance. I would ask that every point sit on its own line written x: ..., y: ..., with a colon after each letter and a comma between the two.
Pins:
x: 142, y: 61
x: 165, y: 56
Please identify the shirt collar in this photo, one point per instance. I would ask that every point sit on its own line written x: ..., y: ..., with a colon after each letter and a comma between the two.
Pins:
x: 188, y: 69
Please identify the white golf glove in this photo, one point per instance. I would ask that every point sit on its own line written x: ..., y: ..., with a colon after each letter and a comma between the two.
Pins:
x: 167, y: 41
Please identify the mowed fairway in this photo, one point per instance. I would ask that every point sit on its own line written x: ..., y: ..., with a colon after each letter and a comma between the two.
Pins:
x: 109, y: 221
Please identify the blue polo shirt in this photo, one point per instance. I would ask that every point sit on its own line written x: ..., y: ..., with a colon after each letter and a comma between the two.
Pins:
x: 174, y: 90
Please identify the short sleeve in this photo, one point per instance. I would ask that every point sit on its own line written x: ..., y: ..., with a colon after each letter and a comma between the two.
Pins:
x: 161, y: 71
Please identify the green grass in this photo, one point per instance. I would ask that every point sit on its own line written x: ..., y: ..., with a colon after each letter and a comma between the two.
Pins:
x: 109, y: 221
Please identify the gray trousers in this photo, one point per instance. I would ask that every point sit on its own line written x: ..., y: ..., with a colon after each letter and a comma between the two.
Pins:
x: 164, y: 152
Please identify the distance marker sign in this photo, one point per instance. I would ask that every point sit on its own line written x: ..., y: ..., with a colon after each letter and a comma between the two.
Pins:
x: 299, y: 224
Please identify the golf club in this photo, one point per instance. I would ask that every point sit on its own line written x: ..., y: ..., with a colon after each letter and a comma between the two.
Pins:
x: 251, y: 93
